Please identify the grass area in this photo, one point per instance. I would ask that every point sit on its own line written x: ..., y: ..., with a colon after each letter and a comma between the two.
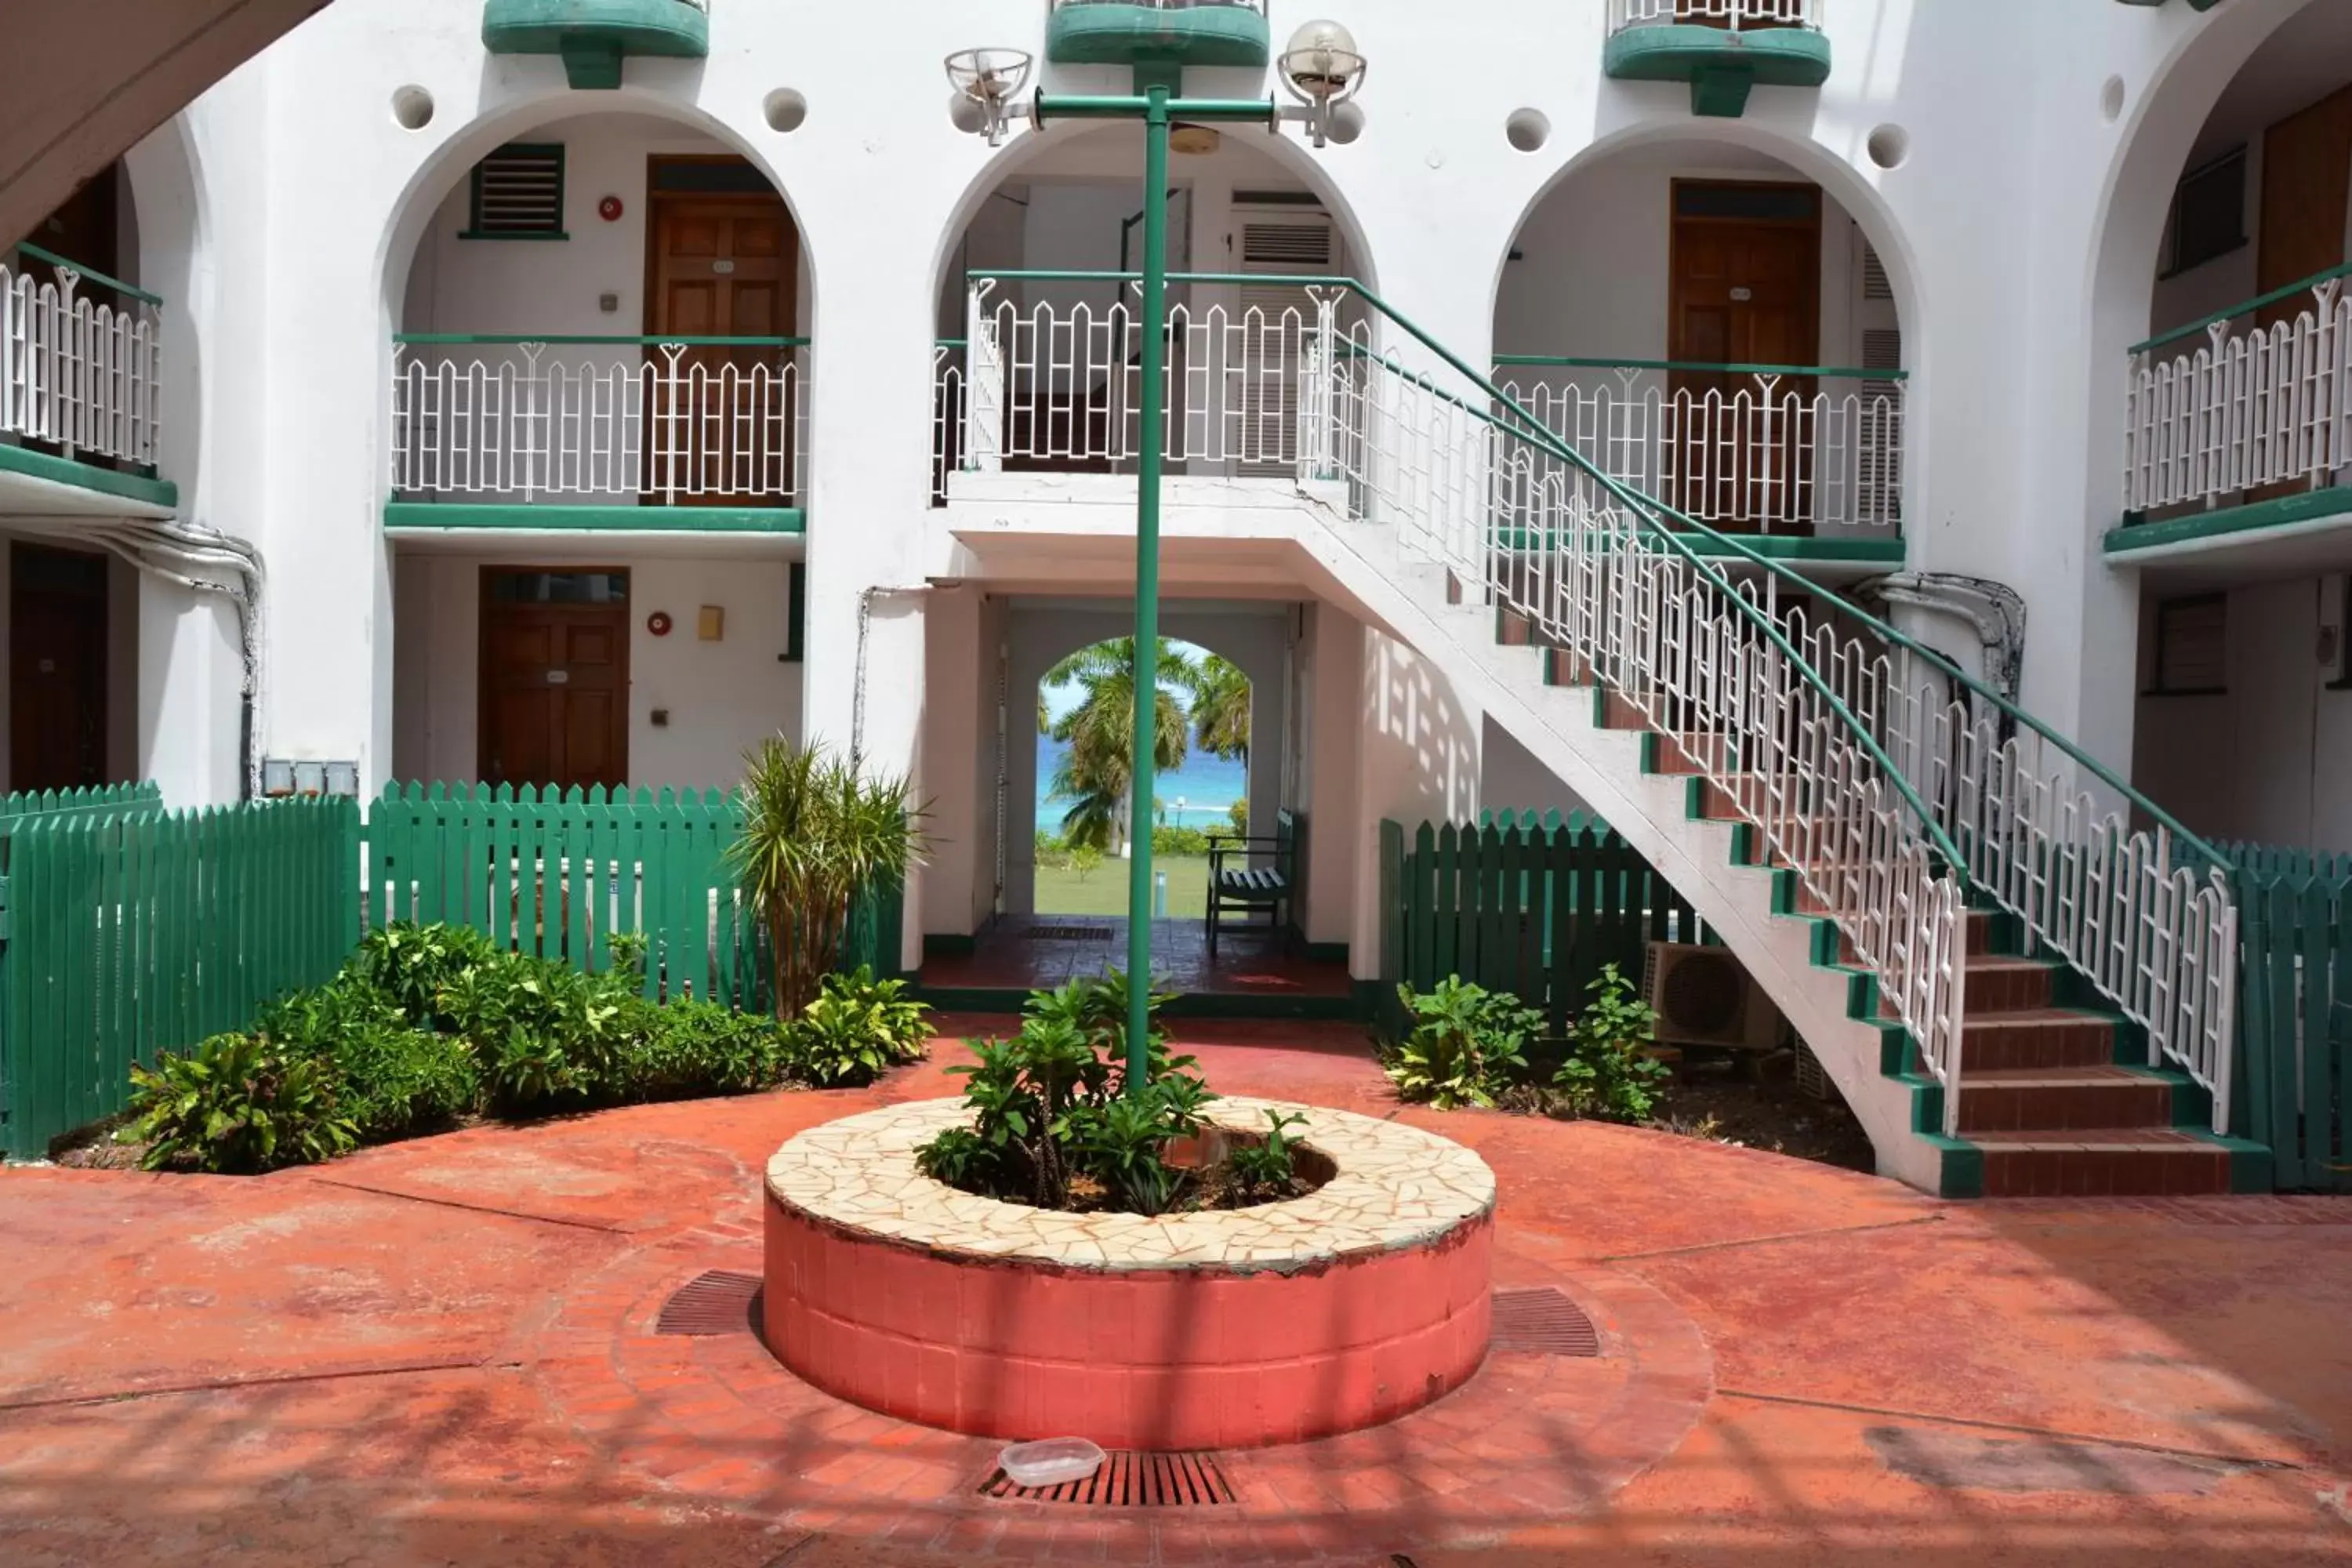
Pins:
x: 1103, y: 891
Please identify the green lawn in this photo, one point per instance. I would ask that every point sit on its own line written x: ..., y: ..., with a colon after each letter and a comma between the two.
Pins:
x: 1103, y: 891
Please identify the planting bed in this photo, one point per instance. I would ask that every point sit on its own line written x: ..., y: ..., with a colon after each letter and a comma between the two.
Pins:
x: 1364, y: 1299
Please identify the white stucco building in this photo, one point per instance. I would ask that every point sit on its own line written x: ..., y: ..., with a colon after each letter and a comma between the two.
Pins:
x: 598, y: 402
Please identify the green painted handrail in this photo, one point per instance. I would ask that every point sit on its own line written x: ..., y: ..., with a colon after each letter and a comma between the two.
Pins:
x: 1834, y: 371
x: 557, y: 339
x: 2260, y: 300
x: 1535, y: 432
x: 1058, y: 275
x: 953, y: 343
x: 90, y: 274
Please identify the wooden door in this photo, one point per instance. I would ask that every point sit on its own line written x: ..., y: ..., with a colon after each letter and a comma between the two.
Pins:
x: 554, y: 705
x: 2307, y: 166
x: 725, y: 263
x: 57, y: 667
x: 1745, y: 288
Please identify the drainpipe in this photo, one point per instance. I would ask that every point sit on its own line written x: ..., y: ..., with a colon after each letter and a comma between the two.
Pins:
x: 1995, y: 610
x: 202, y: 561
x: 866, y: 598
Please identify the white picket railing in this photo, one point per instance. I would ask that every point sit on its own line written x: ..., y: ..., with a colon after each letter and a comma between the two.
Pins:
x: 1057, y: 385
x: 663, y: 422
x: 947, y: 415
x: 76, y: 374
x: 1783, y: 453
x: 1889, y: 784
x: 2248, y: 407
x: 1732, y: 13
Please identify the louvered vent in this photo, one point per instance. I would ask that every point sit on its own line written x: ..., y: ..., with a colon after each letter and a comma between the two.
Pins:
x: 1297, y: 246
x: 1273, y: 318
x: 518, y: 191
x: 1876, y: 284
x: 1880, y: 459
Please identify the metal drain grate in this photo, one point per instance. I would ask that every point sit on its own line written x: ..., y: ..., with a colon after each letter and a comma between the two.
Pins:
x: 1129, y: 1479
x: 719, y: 1302
x: 1067, y: 934
x: 1543, y: 1323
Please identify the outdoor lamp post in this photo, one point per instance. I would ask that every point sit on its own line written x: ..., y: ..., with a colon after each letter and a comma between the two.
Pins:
x: 1323, y: 70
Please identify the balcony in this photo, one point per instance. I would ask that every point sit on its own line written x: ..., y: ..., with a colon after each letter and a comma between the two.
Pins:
x: 595, y: 36
x: 1722, y: 47
x: 1163, y: 33
x: 1805, y: 460
x: 81, y: 372
x: 678, y: 434
x: 2238, y: 427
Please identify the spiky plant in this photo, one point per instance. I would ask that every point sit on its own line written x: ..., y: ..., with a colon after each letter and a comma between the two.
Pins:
x: 816, y: 832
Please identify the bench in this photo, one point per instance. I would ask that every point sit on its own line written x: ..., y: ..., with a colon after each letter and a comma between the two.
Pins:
x: 1244, y: 889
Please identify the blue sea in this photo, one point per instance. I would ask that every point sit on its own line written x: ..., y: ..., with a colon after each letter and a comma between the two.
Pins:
x: 1206, y: 785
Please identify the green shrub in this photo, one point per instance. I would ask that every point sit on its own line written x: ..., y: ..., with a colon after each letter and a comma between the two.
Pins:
x: 1464, y: 1044
x: 692, y: 1047
x: 545, y: 1033
x: 236, y: 1104
x: 1048, y: 1108
x: 1609, y: 1072
x: 1271, y: 1166
x: 412, y: 964
x: 392, y: 1078
x: 856, y: 1028
x: 1178, y: 841
x: 1238, y: 815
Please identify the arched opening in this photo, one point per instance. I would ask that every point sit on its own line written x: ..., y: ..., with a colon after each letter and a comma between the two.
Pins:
x: 2237, y: 498
x: 1083, y: 773
x: 1037, y: 373
x: 598, y: 443
x: 1709, y: 325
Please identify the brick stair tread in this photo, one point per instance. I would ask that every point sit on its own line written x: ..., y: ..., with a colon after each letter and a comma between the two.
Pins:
x: 2088, y: 1076
x: 2151, y: 1139
x: 2036, y: 1017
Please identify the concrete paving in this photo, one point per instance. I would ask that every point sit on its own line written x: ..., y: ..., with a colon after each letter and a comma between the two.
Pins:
x: 437, y: 1353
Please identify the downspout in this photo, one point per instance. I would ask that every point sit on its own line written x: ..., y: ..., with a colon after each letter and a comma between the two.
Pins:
x: 1995, y: 610
x: 177, y: 554
x: 866, y: 598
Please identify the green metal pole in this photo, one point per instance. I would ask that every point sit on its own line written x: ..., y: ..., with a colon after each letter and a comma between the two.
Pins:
x: 1154, y: 313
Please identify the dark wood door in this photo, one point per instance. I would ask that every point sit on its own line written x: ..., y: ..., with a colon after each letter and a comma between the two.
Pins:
x: 57, y: 667
x: 1745, y: 288
x: 554, y: 706
x: 2307, y: 166
x: 722, y: 266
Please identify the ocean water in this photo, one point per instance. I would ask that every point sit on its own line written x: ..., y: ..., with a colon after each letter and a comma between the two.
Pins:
x: 1207, y: 784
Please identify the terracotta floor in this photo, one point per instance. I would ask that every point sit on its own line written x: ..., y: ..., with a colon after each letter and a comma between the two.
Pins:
x: 440, y: 1352
x: 1025, y: 952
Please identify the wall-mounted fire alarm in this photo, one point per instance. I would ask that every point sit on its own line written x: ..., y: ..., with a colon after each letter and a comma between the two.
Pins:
x: 658, y: 623
x: 610, y: 209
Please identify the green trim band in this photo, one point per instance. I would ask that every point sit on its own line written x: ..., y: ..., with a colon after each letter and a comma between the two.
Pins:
x: 2312, y: 506
x: 1140, y: 33
x: 89, y: 274
x: 513, y: 340
x: 1242, y: 111
x: 144, y: 488
x: 1832, y: 371
x: 411, y: 516
x: 2286, y: 292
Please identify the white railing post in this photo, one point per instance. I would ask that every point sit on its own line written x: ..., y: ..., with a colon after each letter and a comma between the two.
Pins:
x: 1318, y: 369
x: 983, y: 431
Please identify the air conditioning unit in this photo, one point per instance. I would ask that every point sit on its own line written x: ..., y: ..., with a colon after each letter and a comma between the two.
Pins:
x: 1704, y: 997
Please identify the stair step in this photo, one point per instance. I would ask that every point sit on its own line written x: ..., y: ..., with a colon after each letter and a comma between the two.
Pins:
x: 2127, y: 1162
x: 2035, y: 1037
x: 2027, y: 1100
x: 2002, y: 983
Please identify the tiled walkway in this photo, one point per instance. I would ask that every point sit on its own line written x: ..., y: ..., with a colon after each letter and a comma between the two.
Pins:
x: 1025, y: 952
x: 443, y: 1353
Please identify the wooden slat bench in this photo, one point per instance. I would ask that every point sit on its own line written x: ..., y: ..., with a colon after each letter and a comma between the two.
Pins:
x: 1247, y: 889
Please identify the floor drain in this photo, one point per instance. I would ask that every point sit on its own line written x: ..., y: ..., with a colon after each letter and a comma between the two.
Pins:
x: 1543, y: 1323
x: 1129, y: 1479
x: 719, y: 1302
x: 1067, y: 933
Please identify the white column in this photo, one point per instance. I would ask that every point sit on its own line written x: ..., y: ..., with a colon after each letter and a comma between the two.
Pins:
x: 191, y: 677
x: 1417, y: 761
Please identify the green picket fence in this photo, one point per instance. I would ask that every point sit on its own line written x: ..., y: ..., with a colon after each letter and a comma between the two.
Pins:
x: 2295, y: 1012
x: 129, y: 930
x: 1535, y: 906
x: 72, y: 802
x: 558, y: 873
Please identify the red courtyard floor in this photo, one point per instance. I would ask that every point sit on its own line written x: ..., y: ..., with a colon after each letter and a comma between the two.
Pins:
x: 443, y: 1353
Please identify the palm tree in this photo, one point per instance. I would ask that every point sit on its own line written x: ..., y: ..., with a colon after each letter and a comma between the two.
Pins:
x: 1221, y: 708
x: 1097, y: 773
x: 816, y: 834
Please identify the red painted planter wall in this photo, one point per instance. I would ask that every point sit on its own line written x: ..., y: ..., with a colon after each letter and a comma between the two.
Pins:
x: 1193, y: 1358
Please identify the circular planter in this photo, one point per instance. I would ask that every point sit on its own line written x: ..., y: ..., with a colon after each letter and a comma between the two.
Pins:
x: 1349, y: 1307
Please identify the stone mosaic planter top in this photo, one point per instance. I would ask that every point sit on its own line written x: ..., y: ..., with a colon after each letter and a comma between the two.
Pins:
x: 1397, y: 1187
